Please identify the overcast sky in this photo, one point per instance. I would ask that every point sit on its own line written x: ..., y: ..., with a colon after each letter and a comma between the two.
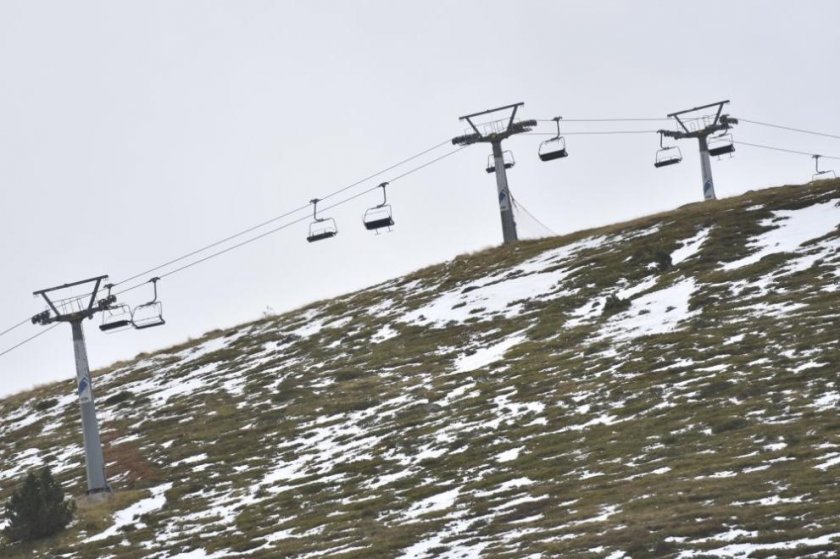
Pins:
x: 134, y: 132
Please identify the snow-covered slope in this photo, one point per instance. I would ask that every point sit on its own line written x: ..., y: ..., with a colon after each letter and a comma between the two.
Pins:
x: 494, y: 406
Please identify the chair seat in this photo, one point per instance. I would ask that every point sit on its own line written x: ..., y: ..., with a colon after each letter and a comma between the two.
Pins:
x: 114, y: 325
x: 493, y: 168
x: 320, y: 236
x: 149, y: 323
x: 722, y: 150
x: 379, y: 223
x: 552, y: 155
x: 666, y: 162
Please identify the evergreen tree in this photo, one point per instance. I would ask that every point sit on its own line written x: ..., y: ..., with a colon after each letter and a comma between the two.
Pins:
x: 37, y: 509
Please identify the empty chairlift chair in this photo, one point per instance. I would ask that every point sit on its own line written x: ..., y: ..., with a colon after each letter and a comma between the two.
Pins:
x: 150, y: 314
x: 379, y: 216
x: 721, y: 145
x: 115, y: 316
x: 821, y: 175
x: 666, y: 155
x: 553, y: 148
x: 507, y: 157
x: 321, y: 227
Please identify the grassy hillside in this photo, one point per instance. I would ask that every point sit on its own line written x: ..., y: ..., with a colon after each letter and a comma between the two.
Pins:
x: 661, y: 388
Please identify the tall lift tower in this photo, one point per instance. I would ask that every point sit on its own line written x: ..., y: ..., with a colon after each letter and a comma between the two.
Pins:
x: 717, y: 125
x: 494, y: 133
x: 74, y: 310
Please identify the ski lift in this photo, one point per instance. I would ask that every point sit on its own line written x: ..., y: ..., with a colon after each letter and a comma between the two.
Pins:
x: 379, y: 216
x: 821, y: 175
x: 553, y: 148
x: 149, y: 315
x: 721, y: 145
x: 322, y: 227
x: 670, y: 155
x: 507, y: 157
x: 115, y: 317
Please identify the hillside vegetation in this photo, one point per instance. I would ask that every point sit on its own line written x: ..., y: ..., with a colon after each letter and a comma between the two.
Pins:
x: 661, y: 388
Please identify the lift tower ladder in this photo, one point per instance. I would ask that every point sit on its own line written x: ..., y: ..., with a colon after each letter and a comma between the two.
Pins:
x: 74, y: 310
x: 494, y: 133
x: 721, y: 123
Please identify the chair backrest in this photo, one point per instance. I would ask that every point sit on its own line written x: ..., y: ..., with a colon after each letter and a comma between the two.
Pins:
x: 148, y: 315
x: 552, y: 149
x: 323, y: 227
x: 116, y: 318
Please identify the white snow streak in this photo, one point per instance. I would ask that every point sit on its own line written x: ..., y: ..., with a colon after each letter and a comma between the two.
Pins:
x: 796, y: 227
x: 487, y: 355
x: 129, y: 515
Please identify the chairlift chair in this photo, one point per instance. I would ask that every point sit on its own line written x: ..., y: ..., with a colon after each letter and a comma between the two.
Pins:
x: 666, y: 155
x: 379, y: 216
x: 321, y: 227
x: 721, y: 145
x: 553, y: 148
x: 115, y: 316
x: 507, y: 157
x: 149, y: 315
x: 825, y: 174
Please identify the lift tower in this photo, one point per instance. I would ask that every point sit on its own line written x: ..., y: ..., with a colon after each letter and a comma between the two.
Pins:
x: 720, y: 123
x: 74, y: 310
x: 494, y: 133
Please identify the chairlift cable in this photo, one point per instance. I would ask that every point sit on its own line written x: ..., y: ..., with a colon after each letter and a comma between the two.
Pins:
x: 279, y: 217
x: 212, y: 245
x: 423, y: 166
x: 299, y: 220
x: 391, y: 168
x: 29, y: 339
x: 659, y: 119
x: 230, y: 248
x: 607, y: 120
x: 836, y: 137
x: 810, y: 154
x: 592, y: 132
x: 296, y: 221
x: 15, y: 327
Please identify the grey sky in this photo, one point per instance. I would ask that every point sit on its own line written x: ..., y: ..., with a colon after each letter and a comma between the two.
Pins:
x: 133, y: 132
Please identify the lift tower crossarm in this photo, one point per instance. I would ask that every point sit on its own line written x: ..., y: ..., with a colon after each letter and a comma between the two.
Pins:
x: 69, y: 317
x: 719, y: 105
x: 707, y: 131
x: 720, y: 123
x: 514, y: 106
x: 494, y: 138
x: 515, y: 128
x: 511, y: 128
x: 723, y: 123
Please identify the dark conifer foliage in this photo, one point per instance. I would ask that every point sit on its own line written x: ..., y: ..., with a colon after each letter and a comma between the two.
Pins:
x: 37, y: 509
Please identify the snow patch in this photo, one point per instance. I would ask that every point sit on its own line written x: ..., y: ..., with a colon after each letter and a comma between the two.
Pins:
x: 383, y: 334
x: 509, y: 455
x: 831, y: 459
x: 827, y: 401
x: 795, y: 228
x: 657, y: 312
x: 689, y: 247
x: 488, y: 297
x: 129, y: 515
x: 487, y: 355
x: 441, y: 501
x: 747, y: 549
